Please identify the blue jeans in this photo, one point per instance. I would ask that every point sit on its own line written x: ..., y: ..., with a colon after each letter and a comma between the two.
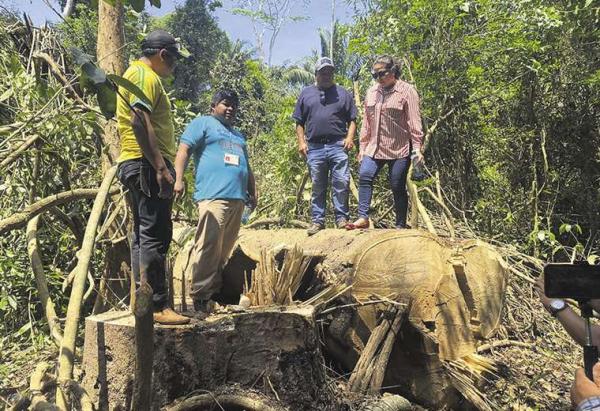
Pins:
x: 325, y: 160
x: 398, y: 170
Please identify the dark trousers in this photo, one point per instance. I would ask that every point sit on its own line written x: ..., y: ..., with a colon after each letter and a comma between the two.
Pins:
x: 398, y: 171
x: 152, y: 226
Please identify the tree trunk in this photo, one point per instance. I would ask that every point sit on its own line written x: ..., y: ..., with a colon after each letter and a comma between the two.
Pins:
x: 111, y: 58
x: 455, y: 289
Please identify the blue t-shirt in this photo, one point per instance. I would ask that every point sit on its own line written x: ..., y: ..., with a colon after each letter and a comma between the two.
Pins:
x: 325, y: 113
x: 220, y: 157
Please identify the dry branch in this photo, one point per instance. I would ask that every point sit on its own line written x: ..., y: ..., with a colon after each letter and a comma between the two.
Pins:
x: 40, y: 280
x: 67, y: 349
x: 503, y: 343
x: 416, y: 204
x: 20, y: 218
x: 271, y: 285
x: 230, y: 401
x: 370, y: 369
x: 81, y: 395
x: 17, y: 151
x: 38, y: 400
x: 55, y: 69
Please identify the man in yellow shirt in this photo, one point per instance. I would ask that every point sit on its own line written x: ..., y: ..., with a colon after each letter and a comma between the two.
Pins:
x: 146, y: 165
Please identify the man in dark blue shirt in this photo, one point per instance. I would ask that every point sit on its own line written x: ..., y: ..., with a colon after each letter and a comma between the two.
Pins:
x: 325, y: 116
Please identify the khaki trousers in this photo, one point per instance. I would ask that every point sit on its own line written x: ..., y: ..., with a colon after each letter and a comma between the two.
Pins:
x: 216, y: 234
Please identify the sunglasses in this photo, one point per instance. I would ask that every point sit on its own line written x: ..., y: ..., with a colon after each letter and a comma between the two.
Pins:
x: 379, y: 74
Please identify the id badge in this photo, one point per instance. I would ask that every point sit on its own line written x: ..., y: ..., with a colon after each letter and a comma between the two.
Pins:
x: 232, y: 159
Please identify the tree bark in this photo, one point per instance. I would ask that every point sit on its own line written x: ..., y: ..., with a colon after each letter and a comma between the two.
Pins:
x: 21, y: 218
x: 40, y: 280
x: 111, y: 59
x: 67, y: 349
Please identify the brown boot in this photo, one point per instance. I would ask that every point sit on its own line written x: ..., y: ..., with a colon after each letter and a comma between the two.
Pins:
x: 169, y: 317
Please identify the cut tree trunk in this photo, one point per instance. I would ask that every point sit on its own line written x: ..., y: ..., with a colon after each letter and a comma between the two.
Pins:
x: 456, y: 289
x: 270, y: 350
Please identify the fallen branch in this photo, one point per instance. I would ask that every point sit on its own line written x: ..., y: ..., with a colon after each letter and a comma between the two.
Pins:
x: 369, y: 370
x: 503, y: 343
x: 380, y: 365
x: 447, y: 215
x: 20, y: 218
x: 67, y: 349
x: 38, y: 400
x: 56, y: 70
x: 228, y: 401
x: 17, y: 151
x: 416, y: 203
x: 80, y: 395
x: 40, y: 280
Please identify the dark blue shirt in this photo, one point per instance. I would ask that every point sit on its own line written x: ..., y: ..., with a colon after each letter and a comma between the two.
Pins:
x: 325, y: 114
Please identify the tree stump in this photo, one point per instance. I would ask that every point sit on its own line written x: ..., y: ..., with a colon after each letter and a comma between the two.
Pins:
x: 456, y: 289
x: 273, y: 350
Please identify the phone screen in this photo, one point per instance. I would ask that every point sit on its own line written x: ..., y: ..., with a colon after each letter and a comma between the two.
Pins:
x: 576, y: 281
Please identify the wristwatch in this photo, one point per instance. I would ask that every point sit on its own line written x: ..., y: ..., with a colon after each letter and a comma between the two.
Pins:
x: 557, y: 306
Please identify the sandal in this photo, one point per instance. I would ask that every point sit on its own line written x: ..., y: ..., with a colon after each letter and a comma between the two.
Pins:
x: 361, y: 223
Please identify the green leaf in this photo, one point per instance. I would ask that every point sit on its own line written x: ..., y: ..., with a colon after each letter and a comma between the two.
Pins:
x: 24, y: 329
x: 107, y: 100
x: 592, y: 259
x: 564, y: 228
x: 12, y: 302
x: 155, y: 3
x: 80, y: 57
x: 6, y: 95
x: 93, y: 73
x: 129, y: 86
x: 138, y: 5
x: 587, y: 3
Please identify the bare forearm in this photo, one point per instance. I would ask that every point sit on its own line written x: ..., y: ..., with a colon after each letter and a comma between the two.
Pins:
x: 351, y: 130
x: 300, y: 134
x: 144, y: 134
x: 251, y: 184
x: 574, y: 325
x: 183, y: 155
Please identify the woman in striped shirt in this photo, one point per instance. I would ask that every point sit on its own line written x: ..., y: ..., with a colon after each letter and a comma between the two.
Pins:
x: 391, y: 131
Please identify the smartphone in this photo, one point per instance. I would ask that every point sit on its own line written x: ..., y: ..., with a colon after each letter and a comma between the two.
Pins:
x: 575, y: 281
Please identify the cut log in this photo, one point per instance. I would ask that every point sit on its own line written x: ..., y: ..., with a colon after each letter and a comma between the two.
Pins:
x: 456, y: 288
x: 271, y: 350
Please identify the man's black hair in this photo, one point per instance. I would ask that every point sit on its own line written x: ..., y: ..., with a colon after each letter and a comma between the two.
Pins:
x: 228, y: 95
x: 150, y: 52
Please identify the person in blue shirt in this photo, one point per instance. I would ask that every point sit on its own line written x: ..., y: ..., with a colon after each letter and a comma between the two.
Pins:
x: 325, y: 116
x: 223, y: 184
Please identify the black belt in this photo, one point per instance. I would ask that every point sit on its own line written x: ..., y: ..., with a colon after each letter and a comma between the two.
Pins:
x: 325, y: 140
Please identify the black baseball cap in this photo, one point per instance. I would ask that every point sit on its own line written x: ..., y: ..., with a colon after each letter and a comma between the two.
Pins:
x: 160, y: 39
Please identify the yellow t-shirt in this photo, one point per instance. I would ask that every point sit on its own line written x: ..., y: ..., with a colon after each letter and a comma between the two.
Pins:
x: 160, y: 113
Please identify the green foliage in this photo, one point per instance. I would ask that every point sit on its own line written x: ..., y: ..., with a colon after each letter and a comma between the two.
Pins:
x: 518, y: 146
x: 81, y: 30
x: 197, y: 29
x: 67, y: 153
x: 104, y: 86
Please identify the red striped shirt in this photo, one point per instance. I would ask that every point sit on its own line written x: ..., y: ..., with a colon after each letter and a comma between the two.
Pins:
x: 391, y: 122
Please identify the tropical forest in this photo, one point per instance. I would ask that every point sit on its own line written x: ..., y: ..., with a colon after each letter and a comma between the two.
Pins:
x: 483, y: 300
